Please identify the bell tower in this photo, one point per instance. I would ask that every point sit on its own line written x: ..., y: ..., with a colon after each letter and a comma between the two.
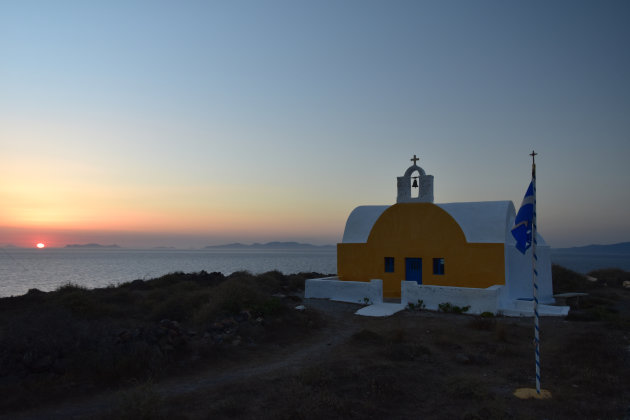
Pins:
x: 422, y: 182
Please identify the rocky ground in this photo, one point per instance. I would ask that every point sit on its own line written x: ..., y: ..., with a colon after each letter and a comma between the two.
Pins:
x: 197, y: 346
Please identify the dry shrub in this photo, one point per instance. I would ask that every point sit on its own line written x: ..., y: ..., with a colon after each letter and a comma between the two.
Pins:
x: 295, y: 282
x: 230, y: 407
x: 469, y: 387
x: 401, y: 352
x: 271, y: 281
x: 179, y: 306
x: 501, y: 332
x: 112, y: 365
x: 368, y: 336
x: 142, y: 402
x: 316, y: 376
x: 565, y: 280
x: 612, y: 277
x: 485, y: 324
x: 398, y: 335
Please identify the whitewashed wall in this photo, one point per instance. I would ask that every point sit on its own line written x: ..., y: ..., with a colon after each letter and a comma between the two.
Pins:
x: 345, y: 291
x: 519, y: 274
x: 480, y: 300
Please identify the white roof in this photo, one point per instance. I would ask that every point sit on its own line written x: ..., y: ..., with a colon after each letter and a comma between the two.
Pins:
x: 481, y: 222
x: 360, y: 222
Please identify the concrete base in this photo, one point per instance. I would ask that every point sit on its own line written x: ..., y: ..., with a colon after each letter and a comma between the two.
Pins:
x: 381, y: 309
x: 527, y: 393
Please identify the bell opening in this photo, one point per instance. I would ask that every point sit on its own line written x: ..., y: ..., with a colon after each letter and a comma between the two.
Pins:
x: 415, y: 185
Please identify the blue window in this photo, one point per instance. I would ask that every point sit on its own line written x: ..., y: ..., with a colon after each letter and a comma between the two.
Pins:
x: 438, y: 266
x: 389, y: 264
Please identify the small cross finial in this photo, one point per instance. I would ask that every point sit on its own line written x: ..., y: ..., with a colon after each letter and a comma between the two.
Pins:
x: 415, y: 159
x: 533, y: 155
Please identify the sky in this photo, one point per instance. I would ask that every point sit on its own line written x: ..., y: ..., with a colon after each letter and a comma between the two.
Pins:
x: 193, y: 123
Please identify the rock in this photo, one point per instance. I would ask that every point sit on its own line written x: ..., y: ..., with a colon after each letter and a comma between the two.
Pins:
x: 123, y: 337
x: 300, y: 308
x: 60, y: 366
x: 43, y: 364
x: 462, y: 358
x: 242, y: 316
x: 215, y: 327
x: 35, y: 292
x: 626, y: 284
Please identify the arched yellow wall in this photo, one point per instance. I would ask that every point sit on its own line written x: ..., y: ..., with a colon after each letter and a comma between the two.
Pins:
x: 421, y: 230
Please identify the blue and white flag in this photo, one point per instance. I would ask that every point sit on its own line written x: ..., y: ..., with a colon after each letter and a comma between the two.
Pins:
x: 522, y: 230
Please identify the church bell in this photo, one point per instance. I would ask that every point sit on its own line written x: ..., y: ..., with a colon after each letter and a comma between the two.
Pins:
x: 415, y: 183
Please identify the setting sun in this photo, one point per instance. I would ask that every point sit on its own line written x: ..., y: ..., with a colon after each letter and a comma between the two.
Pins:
x: 40, y: 245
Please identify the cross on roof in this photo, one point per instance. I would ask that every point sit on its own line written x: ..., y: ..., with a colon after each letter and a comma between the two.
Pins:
x: 532, y: 154
x: 415, y: 159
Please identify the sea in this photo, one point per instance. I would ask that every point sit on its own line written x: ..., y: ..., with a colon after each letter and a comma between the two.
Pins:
x: 47, y: 269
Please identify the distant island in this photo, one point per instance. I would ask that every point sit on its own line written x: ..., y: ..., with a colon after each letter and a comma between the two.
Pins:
x: 91, y: 246
x: 270, y: 245
x: 622, y: 248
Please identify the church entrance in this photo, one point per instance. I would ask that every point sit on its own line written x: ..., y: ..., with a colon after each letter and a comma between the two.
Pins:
x: 413, y: 269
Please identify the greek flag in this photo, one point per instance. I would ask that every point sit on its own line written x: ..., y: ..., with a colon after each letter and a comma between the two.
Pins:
x: 522, y: 230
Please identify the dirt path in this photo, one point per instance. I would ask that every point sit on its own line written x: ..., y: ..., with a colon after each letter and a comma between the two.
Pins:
x: 340, y: 325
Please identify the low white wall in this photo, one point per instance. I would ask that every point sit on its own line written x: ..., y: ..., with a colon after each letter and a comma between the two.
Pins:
x: 526, y: 308
x: 345, y: 291
x: 480, y: 300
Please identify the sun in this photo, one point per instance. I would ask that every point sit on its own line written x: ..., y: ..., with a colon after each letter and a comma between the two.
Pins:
x: 41, y: 245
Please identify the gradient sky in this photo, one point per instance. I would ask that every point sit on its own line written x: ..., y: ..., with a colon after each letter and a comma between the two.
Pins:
x: 190, y: 123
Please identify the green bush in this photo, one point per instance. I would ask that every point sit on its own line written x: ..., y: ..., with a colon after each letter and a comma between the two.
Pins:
x: 416, y: 306
x: 447, y: 307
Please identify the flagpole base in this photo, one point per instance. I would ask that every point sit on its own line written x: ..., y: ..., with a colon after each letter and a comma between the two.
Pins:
x: 527, y: 393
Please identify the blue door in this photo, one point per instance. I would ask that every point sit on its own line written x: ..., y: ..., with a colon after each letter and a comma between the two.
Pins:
x: 413, y: 269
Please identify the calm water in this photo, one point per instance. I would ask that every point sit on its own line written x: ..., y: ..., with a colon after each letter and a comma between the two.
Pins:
x: 585, y: 263
x: 23, y: 269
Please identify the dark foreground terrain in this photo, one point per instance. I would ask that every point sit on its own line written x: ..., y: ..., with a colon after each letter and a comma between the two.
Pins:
x: 206, y: 346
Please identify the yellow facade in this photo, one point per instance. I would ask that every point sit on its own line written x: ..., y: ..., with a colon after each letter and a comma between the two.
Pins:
x: 421, y: 230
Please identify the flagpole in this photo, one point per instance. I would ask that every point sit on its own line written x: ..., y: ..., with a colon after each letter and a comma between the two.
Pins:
x: 535, y: 278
